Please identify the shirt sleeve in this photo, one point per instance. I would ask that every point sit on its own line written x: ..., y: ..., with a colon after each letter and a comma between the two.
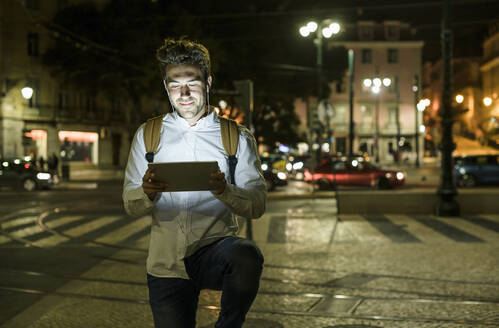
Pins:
x: 136, y: 202
x: 248, y: 197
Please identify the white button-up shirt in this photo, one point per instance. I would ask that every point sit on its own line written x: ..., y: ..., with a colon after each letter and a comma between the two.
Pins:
x: 183, y: 222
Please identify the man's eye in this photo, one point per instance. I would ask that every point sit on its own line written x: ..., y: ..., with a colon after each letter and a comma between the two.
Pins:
x: 174, y: 86
x: 194, y: 84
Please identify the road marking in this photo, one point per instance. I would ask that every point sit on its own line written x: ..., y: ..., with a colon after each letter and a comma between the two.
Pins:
x: 35, y: 228
x: 53, y: 224
x: 396, y: 232
x: 446, y: 229
x: 126, y: 231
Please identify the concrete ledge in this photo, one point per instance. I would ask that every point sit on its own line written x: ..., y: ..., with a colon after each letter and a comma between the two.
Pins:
x: 418, y: 201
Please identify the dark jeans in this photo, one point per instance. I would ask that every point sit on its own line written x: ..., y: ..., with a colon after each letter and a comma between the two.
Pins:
x: 233, y: 265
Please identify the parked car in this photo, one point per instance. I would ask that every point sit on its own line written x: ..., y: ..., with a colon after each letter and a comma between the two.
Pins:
x: 476, y: 169
x: 17, y: 173
x: 274, y: 177
x: 353, y: 171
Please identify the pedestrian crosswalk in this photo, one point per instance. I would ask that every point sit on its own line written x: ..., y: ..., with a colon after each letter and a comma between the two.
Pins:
x: 281, y: 228
x: 315, y: 225
x: 64, y: 229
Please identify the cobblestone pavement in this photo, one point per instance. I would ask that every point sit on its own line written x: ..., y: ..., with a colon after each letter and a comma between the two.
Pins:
x: 321, y: 269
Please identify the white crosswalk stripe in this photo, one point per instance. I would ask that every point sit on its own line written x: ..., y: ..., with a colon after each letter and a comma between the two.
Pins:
x: 124, y: 232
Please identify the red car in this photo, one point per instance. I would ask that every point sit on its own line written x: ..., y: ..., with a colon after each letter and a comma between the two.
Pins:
x: 353, y: 172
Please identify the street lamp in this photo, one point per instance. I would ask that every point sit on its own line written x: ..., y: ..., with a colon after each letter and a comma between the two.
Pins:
x: 27, y: 92
x: 375, y: 84
x: 487, y: 101
x: 459, y: 99
x: 324, y: 29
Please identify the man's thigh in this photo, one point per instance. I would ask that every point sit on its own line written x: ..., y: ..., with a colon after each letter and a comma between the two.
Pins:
x: 173, y: 302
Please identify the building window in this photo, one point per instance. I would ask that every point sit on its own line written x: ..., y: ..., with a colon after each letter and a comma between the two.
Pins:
x: 116, y: 108
x: 62, y: 102
x: 366, y: 33
x: 32, y: 4
x: 392, y: 32
x: 91, y: 106
x: 34, y: 101
x: 367, y: 56
x: 33, y: 44
x: 393, y: 56
x: 366, y: 116
x: 392, y: 116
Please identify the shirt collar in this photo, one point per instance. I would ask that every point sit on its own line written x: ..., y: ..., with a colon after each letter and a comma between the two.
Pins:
x: 209, y: 118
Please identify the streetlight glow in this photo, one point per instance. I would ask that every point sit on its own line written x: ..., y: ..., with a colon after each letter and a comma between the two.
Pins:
x: 387, y: 82
x: 327, y: 32
x: 27, y: 92
x: 459, y: 99
x: 426, y: 102
x: 421, y: 106
x: 304, y: 31
x: 422, y: 129
x: 312, y: 26
x: 335, y: 27
x: 487, y: 101
x: 368, y: 83
x: 375, y: 89
x: 377, y: 82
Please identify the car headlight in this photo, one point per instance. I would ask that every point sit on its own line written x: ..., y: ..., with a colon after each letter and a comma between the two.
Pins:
x: 388, y: 175
x: 462, y: 170
x: 400, y: 175
x: 281, y: 175
x: 298, y: 165
x: 43, y: 176
x: 265, y: 167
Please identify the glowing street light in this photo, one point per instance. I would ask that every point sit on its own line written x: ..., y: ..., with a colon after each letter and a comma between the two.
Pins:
x: 312, y: 26
x: 387, y: 82
x: 459, y: 99
x: 487, y: 101
x: 27, y: 92
x: 335, y: 27
x: 304, y: 31
x: 368, y: 83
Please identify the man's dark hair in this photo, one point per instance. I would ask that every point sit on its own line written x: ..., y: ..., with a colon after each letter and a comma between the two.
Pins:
x: 184, y: 52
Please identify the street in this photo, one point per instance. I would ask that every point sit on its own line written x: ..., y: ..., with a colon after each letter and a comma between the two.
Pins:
x: 73, y: 258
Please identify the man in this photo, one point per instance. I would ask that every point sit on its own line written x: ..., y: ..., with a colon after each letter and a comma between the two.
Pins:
x: 193, y: 237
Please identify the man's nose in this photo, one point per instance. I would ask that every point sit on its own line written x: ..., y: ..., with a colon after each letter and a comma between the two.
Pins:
x: 184, y: 90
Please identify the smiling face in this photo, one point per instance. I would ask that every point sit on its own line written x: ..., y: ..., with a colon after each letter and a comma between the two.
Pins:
x: 187, y: 90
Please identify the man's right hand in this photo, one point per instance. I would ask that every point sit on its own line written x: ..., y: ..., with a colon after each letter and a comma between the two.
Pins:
x: 151, y: 186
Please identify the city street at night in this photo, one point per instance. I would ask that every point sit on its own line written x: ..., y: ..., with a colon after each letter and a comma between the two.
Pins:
x: 72, y: 258
x: 151, y: 151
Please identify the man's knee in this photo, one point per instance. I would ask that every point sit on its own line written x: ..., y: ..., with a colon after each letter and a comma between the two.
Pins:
x: 247, y: 255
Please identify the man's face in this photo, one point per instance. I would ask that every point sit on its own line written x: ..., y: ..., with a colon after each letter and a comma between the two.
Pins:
x: 187, y: 90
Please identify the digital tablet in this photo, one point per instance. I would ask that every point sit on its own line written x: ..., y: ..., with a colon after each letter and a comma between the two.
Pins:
x: 185, y: 176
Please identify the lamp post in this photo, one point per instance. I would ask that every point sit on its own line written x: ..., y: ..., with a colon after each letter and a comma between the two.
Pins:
x: 375, y: 84
x: 447, y: 204
x: 324, y: 29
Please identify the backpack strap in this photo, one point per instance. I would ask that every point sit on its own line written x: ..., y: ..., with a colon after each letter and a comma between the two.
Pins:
x: 230, y: 141
x: 152, y: 132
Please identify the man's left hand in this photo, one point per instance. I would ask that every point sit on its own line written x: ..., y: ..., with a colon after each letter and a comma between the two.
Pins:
x: 217, y: 180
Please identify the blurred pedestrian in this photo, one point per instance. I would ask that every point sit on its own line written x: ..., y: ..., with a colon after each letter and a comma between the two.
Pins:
x: 194, y: 243
x: 42, y: 163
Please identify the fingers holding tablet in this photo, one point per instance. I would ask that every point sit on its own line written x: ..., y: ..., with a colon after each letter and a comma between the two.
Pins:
x: 151, y: 186
x: 217, y: 180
